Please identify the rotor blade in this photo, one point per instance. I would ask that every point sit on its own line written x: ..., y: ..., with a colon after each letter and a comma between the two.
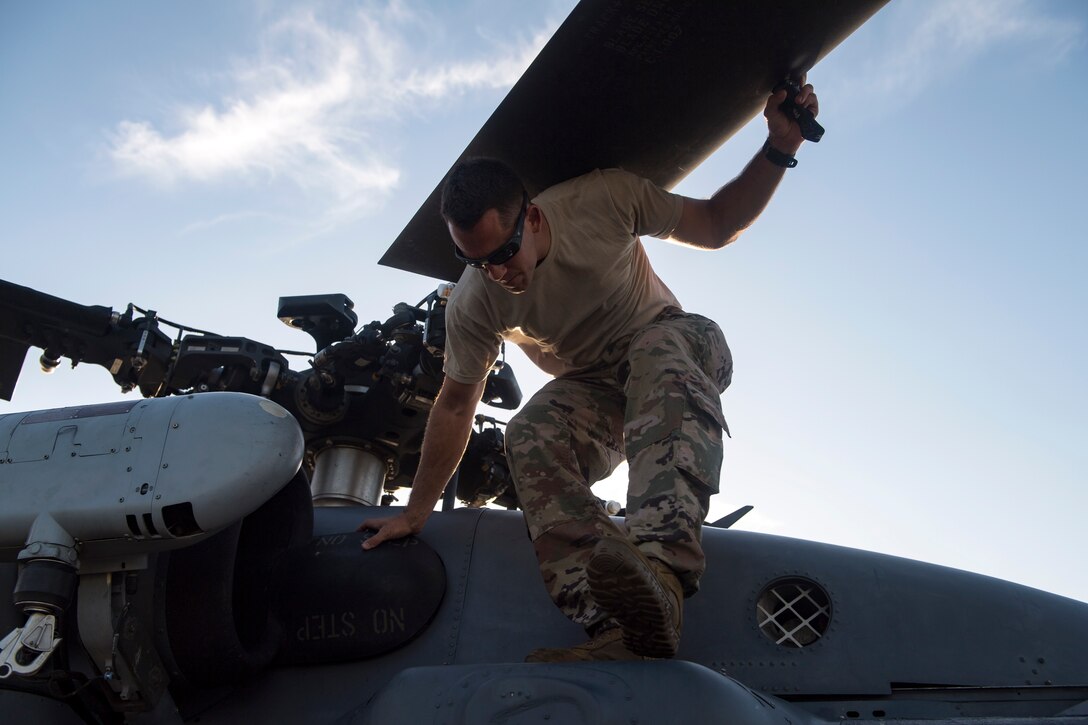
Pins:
x: 29, y: 317
x: 652, y: 87
x: 12, y: 355
x: 726, y: 521
x: 17, y: 300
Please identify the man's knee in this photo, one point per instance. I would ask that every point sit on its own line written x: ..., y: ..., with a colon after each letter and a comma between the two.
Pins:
x: 687, y: 346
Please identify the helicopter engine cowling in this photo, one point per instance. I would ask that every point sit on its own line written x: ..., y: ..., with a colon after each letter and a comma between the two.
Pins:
x: 94, y: 497
x: 144, y: 475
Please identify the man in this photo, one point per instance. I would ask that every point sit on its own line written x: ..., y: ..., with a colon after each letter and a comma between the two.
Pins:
x: 565, y: 277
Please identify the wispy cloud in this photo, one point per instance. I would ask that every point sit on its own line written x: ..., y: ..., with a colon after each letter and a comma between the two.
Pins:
x: 935, y: 39
x: 305, y: 109
x: 234, y: 217
x: 435, y: 83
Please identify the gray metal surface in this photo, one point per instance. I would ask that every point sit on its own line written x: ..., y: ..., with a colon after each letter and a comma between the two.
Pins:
x: 604, y: 693
x: 905, y: 639
x: 347, y: 475
x: 899, y: 628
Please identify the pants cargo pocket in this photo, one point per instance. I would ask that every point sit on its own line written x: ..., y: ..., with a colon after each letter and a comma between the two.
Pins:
x: 697, y: 447
x: 684, y: 433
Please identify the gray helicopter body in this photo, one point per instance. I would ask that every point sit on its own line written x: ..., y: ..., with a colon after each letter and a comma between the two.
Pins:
x: 435, y: 628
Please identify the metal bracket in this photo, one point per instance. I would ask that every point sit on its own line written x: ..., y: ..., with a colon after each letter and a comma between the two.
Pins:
x: 119, y: 646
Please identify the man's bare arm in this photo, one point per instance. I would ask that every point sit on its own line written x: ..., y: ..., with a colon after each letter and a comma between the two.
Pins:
x: 444, y: 441
x: 715, y: 222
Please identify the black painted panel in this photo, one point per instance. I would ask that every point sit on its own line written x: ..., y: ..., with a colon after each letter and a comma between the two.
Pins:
x: 338, y: 602
x: 653, y: 86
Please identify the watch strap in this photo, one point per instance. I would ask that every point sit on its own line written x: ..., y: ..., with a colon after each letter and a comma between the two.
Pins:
x: 777, y: 157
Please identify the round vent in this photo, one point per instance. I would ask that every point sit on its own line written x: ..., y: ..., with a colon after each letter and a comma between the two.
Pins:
x: 793, y: 612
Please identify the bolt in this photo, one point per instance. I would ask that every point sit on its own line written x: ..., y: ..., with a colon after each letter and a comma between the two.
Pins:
x: 166, y: 465
x: 73, y: 454
x: 175, y: 425
x: 121, y: 500
x: 129, y: 469
x: 45, y: 457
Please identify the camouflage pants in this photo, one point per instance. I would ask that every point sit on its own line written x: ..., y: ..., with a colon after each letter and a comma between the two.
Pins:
x: 654, y: 401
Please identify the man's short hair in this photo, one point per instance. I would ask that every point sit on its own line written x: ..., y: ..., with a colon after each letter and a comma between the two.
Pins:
x: 478, y: 184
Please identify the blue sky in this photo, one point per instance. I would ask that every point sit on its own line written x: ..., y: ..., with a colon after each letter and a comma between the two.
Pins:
x: 907, y: 318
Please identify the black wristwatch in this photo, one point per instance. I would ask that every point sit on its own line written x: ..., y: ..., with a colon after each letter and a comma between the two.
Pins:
x: 776, y: 157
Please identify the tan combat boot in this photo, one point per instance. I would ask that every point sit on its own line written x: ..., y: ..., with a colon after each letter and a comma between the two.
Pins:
x: 606, y: 646
x: 640, y: 593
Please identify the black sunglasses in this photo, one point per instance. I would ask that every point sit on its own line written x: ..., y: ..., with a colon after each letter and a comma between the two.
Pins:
x: 506, y: 252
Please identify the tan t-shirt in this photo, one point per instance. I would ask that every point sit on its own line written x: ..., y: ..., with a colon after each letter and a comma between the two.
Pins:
x: 595, y: 286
